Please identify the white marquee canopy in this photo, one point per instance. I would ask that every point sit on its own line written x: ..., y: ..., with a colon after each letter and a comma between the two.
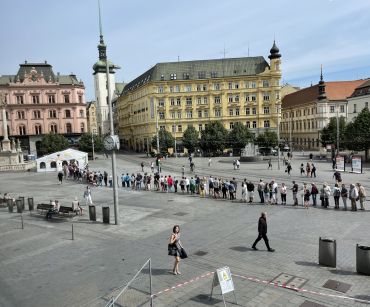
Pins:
x: 55, y: 161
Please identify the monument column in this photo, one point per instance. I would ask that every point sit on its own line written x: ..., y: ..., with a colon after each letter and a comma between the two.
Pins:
x: 5, y: 142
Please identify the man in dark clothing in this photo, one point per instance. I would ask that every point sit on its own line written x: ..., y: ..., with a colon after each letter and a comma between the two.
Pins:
x: 337, y: 176
x: 262, y: 233
x: 105, y: 178
x: 60, y: 177
x: 295, y: 192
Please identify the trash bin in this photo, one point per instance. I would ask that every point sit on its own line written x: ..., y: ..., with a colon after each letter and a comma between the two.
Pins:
x: 363, y: 259
x: 328, y: 252
x: 92, y: 213
x: 19, y: 206
x: 22, y: 199
x: 30, y: 203
x: 9, y: 202
x: 106, y: 215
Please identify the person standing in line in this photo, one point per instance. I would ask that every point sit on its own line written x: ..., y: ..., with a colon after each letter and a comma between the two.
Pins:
x: 105, y: 178
x: 183, y: 171
x: 76, y: 206
x: 60, y: 177
x: 306, y: 195
x: 314, y: 192
x: 336, y: 195
x: 123, y: 178
x: 170, y: 183
x: 262, y: 233
x: 250, y: 188
x: 344, y: 195
x: 224, y: 189
x: 295, y: 192
x: 237, y: 164
x: 110, y: 181
x: 87, y: 196
x: 269, y: 164
x: 308, y: 169
x: 327, y: 192
x: 283, y: 193
x: 313, y: 170
x: 302, y: 169
x: 182, y: 185
x: 209, y: 162
x: 260, y: 187
x: 361, y: 195
x: 266, y: 193
x: 244, y: 192
x: 274, y: 187
x: 176, y: 247
x: 353, y: 195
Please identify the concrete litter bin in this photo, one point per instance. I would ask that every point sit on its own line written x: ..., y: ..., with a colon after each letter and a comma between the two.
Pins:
x: 22, y: 200
x: 363, y: 259
x: 328, y: 252
x: 19, y: 206
x: 9, y: 202
x: 106, y: 214
x: 92, y: 213
x: 30, y: 204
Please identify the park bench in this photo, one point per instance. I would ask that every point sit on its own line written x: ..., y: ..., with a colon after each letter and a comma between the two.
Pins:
x: 44, y: 207
x: 64, y: 210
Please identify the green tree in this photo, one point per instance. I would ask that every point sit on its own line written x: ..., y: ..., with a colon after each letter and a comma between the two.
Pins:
x: 328, y: 134
x: 213, y: 138
x: 190, y: 139
x: 239, y: 136
x: 52, y: 143
x: 358, y: 132
x: 166, y: 140
x: 267, y: 139
x: 85, y: 143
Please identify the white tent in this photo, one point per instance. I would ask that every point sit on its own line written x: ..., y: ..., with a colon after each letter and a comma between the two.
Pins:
x: 55, y: 161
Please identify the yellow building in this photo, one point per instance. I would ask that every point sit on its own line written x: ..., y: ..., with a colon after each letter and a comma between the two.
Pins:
x: 92, y: 124
x: 181, y: 94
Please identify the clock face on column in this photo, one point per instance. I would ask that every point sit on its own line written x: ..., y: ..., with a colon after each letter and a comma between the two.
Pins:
x: 109, y: 143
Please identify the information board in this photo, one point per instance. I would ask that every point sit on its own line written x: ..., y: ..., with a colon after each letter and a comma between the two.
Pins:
x: 357, y: 164
x: 339, y: 160
x: 225, y: 280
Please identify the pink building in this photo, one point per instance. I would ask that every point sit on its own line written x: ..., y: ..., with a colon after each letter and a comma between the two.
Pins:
x: 40, y: 102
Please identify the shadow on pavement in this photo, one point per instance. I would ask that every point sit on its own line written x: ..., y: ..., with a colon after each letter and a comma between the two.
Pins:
x: 241, y: 248
x: 306, y: 263
x: 342, y: 272
x: 204, y: 299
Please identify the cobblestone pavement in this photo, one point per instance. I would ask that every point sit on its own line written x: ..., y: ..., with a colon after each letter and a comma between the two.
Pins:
x: 41, y: 266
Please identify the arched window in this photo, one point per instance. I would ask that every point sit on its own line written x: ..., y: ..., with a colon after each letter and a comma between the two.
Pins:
x: 38, y: 129
x: 22, y: 129
x: 42, y: 165
x: 69, y: 128
x: 65, y: 163
x: 53, y: 164
x: 82, y: 127
x: 53, y: 128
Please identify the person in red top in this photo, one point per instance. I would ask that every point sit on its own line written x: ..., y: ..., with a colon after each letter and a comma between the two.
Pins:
x: 170, y: 183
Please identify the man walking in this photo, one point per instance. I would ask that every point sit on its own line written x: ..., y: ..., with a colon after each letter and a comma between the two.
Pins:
x: 262, y: 233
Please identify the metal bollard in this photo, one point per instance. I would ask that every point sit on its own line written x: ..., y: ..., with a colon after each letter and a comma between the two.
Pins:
x: 22, y: 220
x: 19, y: 206
x: 10, y: 205
x: 30, y: 204
x: 22, y: 199
x: 92, y: 212
x: 106, y: 215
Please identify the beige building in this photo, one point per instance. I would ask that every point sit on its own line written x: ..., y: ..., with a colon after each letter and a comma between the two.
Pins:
x: 359, y: 100
x: 306, y: 112
x: 288, y: 89
x: 92, y: 124
x: 193, y: 93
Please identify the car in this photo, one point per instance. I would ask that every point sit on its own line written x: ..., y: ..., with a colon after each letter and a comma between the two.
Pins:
x: 267, y: 151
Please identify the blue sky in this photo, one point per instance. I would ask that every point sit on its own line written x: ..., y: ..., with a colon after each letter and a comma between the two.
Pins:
x: 140, y: 33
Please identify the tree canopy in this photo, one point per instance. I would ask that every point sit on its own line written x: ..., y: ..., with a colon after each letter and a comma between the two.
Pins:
x: 329, y: 133
x: 239, y: 136
x: 267, y: 139
x: 166, y: 140
x: 213, y: 138
x: 190, y: 139
x: 53, y: 142
x: 85, y: 142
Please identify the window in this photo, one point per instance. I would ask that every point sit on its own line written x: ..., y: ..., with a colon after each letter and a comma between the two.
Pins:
x: 277, y: 95
x: 160, y: 89
x: 161, y: 102
x: 342, y: 108
x: 236, y: 85
x: 217, y: 113
x: 162, y: 128
x: 161, y: 115
x: 162, y: 78
x: 216, y: 86
x: 42, y: 165
x: 189, y: 101
x: 173, y: 76
x: 254, y: 124
x: 189, y: 114
x: 38, y: 129
x: 80, y: 99
x: 265, y: 83
x: 205, y: 113
x: 66, y: 99
x: 201, y: 74
x: 178, y: 101
x: 266, y: 123
x: 199, y: 87
x: 173, y: 115
x: 248, y: 124
x: 172, y: 101
x: 237, y: 111
x: 231, y: 125
x: 22, y: 130
x: 266, y: 96
x: 231, y: 112
x: 179, y: 128
x: 236, y: 98
x: 173, y: 128
x: 186, y: 76
x: 171, y: 89
x: 69, y: 128
x: 254, y: 111
x: 253, y: 84
x: 331, y: 109
x: 266, y: 110
x: 82, y: 113
x: 213, y: 74
x: 200, y: 127
x: 51, y: 98
x: 199, y: 100
x: 230, y: 85
x: 230, y: 98
x: 188, y: 88
x: 35, y: 99
x: 179, y: 114
x: 354, y: 108
x: 205, y: 100
x: 20, y: 114
x: 67, y: 113
x: 53, y: 128
x: 247, y: 111
x: 19, y: 99
x: 217, y: 99
x: 199, y: 114
x: 204, y: 87
x: 36, y: 114
x: 52, y: 114
x: 177, y: 88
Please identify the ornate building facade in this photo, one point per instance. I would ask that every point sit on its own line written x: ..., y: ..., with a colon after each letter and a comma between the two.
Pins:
x: 39, y: 102
x: 174, y: 96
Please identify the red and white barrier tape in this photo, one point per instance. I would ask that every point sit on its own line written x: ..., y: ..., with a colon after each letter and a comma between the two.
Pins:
x: 265, y: 282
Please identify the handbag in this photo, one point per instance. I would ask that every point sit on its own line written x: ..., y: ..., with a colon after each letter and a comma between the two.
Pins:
x: 172, y: 250
x: 183, y: 253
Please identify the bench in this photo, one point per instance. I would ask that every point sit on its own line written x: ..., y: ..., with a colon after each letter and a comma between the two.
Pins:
x: 64, y: 210
x: 43, y: 207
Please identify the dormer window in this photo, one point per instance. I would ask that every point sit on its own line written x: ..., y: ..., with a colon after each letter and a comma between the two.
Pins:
x: 162, y: 77
x: 173, y: 76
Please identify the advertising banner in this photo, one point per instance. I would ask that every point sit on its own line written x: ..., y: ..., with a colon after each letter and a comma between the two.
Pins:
x: 356, y: 164
x: 339, y: 160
